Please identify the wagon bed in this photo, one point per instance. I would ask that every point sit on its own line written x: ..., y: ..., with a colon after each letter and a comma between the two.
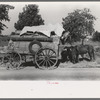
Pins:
x: 45, y: 57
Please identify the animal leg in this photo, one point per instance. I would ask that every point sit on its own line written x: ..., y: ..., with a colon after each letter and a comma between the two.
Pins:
x: 82, y: 55
x: 93, y: 55
x: 77, y: 58
x: 90, y: 56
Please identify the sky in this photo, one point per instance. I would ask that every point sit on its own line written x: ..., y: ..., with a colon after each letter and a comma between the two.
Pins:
x: 52, y: 12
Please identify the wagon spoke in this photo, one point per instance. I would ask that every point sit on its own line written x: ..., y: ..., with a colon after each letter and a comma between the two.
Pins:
x: 51, y: 61
x: 17, y: 59
x: 40, y: 57
x: 47, y: 64
x: 43, y: 53
x: 14, y: 55
x: 48, y: 51
x: 41, y: 62
x: 51, y: 54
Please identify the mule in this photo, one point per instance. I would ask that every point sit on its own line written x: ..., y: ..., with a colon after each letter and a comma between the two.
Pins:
x: 69, y: 54
x: 85, y: 49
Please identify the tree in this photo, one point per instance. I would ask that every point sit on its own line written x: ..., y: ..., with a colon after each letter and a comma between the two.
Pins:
x: 29, y: 17
x: 96, y: 36
x: 4, y: 9
x: 79, y: 23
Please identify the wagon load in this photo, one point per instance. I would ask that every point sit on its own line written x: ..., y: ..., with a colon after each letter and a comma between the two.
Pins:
x: 40, y: 35
x: 25, y: 39
x: 45, y: 29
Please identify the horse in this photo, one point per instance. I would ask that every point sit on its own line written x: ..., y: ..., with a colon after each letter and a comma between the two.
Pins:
x: 85, y: 49
x: 68, y: 54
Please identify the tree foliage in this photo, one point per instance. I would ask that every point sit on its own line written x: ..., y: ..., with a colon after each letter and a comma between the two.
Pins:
x: 4, y: 10
x: 29, y: 17
x: 79, y: 23
x: 96, y: 36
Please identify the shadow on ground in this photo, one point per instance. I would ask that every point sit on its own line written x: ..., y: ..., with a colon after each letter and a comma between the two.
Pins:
x: 31, y: 64
x: 28, y: 64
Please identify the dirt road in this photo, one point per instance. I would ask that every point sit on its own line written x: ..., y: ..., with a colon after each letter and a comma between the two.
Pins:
x: 66, y: 71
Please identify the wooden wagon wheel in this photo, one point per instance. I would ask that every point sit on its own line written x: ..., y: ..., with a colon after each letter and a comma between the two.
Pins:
x: 14, y: 60
x: 46, y: 58
x: 1, y: 60
x: 4, y: 59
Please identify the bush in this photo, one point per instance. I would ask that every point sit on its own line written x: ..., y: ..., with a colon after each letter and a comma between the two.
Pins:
x: 96, y: 36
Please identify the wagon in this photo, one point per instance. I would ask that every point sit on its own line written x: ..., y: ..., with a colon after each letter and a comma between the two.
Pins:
x: 43, y: 52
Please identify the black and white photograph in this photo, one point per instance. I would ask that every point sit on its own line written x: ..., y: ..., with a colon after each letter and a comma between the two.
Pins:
x: 50, y: 49
x: 50, y: 41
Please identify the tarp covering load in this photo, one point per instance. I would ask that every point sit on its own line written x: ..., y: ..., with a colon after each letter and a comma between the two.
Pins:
x: 45, y: 29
